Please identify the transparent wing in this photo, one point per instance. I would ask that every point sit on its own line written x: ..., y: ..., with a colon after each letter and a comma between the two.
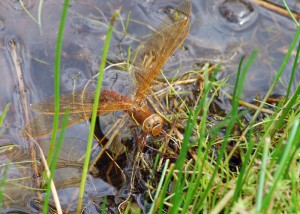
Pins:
x: 42, y: 124
x: 82, y: 102
x: 151, y: 55
x: 80, y: 106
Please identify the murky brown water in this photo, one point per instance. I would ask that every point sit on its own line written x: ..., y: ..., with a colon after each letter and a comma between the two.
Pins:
x: 221, y: 32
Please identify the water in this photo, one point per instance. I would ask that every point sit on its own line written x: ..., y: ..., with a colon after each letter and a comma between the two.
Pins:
x: 222, y: 32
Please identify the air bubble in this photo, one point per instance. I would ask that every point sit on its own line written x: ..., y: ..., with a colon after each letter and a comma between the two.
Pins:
x: 237, y: 14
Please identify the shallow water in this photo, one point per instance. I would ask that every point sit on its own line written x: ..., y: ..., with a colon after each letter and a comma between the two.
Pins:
x: 221, y: 32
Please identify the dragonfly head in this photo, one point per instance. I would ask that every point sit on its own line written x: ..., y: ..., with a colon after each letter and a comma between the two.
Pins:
x: 153, y: 124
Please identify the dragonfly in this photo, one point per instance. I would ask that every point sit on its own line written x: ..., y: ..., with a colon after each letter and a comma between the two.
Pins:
x: 147, y: 62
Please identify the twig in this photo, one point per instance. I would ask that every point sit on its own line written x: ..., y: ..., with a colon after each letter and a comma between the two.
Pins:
x: 249, y: 105
x: 24, y: 104
x: 18, y: 69
x: 275, y: 8
x: 47, y: 170
x: 23, y: 101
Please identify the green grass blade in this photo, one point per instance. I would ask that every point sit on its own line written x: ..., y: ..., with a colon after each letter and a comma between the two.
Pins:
x: 162, y: 196
x: 3, y: 182
x: 3, y: 114
x: 294, y: 70
x: 288, y: 103
x: 276, y: 79
x: 243, y: 172
x: 290, y: 13
x: 295, y: 191
x: 290, y: 147
x: 159, y: 187
x: 196, y: 177
x: 54, y: 161
x: 193, y: 115
x: 94, y: 114
x: 239, y: 84
x: 57, y: 79
x: 262, y: 174
x: 237, y: 88
x: 233, y: 116
x: 103, y: 206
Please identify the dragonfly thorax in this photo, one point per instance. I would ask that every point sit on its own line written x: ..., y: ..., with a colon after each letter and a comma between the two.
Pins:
x: 142, y: 115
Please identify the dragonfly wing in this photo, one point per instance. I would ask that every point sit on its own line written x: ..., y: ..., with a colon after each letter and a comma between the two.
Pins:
x: 152, y: 54
x: 72, y: 152
x: 111, y: 101
x: 76, y: 102
x: 43, y: 124
x: 82, y: 102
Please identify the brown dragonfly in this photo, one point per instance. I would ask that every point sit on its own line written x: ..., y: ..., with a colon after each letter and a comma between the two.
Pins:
x: 147, y: 63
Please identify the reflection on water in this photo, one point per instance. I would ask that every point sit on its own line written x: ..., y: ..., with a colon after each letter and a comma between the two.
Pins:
x: 221, y: 32
x: 19, y: 176
x: 16, y: 173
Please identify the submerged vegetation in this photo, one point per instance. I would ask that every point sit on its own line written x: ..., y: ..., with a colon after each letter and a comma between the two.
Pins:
x: 208, y: 160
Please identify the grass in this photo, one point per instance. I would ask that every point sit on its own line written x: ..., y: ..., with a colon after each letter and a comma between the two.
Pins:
x: 201, y: 178
x: 202, y: 192
x: 3, y: 182
x: 55, y: 144
x: 267, y: 176
x: 53, y: 153
x: 3, y: 114
x: 94, y: 114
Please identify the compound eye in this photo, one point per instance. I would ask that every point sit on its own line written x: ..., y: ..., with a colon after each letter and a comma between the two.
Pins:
x: 157, y: 125
x: 147, y: 126
x: 157, y: 119
x: 153, y: 125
